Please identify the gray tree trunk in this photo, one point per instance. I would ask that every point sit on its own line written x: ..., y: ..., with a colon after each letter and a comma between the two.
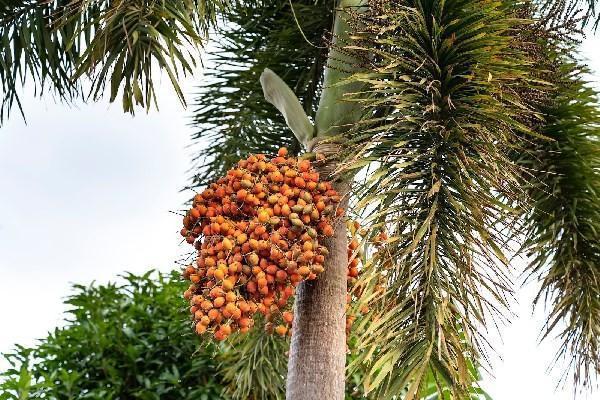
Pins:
x: 317, y: 360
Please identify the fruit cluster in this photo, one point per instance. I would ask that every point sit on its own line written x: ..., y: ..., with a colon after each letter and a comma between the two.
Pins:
x: 258, y: 232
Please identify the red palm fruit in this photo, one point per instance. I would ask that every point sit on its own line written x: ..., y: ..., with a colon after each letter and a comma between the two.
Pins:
x: 281, y: 276
x: 194, y: 213
x: 318, y: 268
x: 244, y: 322
x: 227, y: 244
x: 263, y: 216
x: 328, y: 230
x: 272, y: 269
x: 246, y: 247
x: 281, y: 330
x: 231, y: 308
x: 230, y: 297
x: 262, y: 282
x: 220, y: 336
x: 252, y: 259
x: 200, y: 328
x: 244, y: 306
x: 216, y: 292
x: 210, y: 262
x: 288, y: 317
x: 268, y: 301
x: 262, y: 309
x: 219, y: 274
x: 228, y: 285
x: 308, y: 256
x: 251, y: 287
x: 218, y: 302
x: 288, y: 291
x: 253, y: 244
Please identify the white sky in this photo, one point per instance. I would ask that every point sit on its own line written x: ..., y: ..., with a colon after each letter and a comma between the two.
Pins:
x: 85, y: 194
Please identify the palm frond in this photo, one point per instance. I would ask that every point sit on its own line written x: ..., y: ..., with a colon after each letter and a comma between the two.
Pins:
x: 586, y: 12
x: 253, y: 366
x: 563, y: 235
x: 120, y: 45
x: 561, y: 232
x: 433, y: 147
x: 33, y: 49
x: 231, y: 113
x: 125, y: 41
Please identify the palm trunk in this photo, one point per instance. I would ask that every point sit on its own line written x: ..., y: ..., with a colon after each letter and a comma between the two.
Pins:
x: 316, y: 366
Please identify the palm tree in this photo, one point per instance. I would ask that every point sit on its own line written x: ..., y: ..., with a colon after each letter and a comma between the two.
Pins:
x: 462, y: 132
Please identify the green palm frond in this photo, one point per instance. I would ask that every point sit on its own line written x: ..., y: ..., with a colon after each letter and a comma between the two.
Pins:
x: 254, y: 365
x: 129, y: 39
x: 440, y: 119
x: 231, y: 113
x: 33, y: 48
x: 585, y: 11
x: 562, y: 222
x: 119, y: 45
x: 563, y: 235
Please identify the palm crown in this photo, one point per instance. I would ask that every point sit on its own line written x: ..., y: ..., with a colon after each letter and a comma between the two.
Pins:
x: 476, y: 136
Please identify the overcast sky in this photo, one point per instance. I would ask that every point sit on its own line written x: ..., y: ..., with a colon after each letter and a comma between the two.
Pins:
x: 85, y: 194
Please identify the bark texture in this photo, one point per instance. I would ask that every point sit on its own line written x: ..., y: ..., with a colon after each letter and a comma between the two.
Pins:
x: 317, y: 360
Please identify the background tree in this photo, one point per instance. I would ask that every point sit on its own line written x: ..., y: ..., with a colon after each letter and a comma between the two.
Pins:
x: 441, y: 115
x: 125, y: 340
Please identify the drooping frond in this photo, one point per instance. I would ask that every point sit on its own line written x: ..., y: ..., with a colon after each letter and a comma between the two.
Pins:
x: 231, y: 114
x: 563, y: 228
x: 585, y: 11
x: 433, y: 148
x: 120, y: 45
x: 34, y: 49
x: 253, y: 366
x: 562, y: 220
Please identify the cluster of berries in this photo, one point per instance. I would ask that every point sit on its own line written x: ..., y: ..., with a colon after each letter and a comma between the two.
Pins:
x: 258, y: 232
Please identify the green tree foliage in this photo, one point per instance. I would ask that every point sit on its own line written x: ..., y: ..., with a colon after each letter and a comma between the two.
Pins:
x: 120, y: 341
